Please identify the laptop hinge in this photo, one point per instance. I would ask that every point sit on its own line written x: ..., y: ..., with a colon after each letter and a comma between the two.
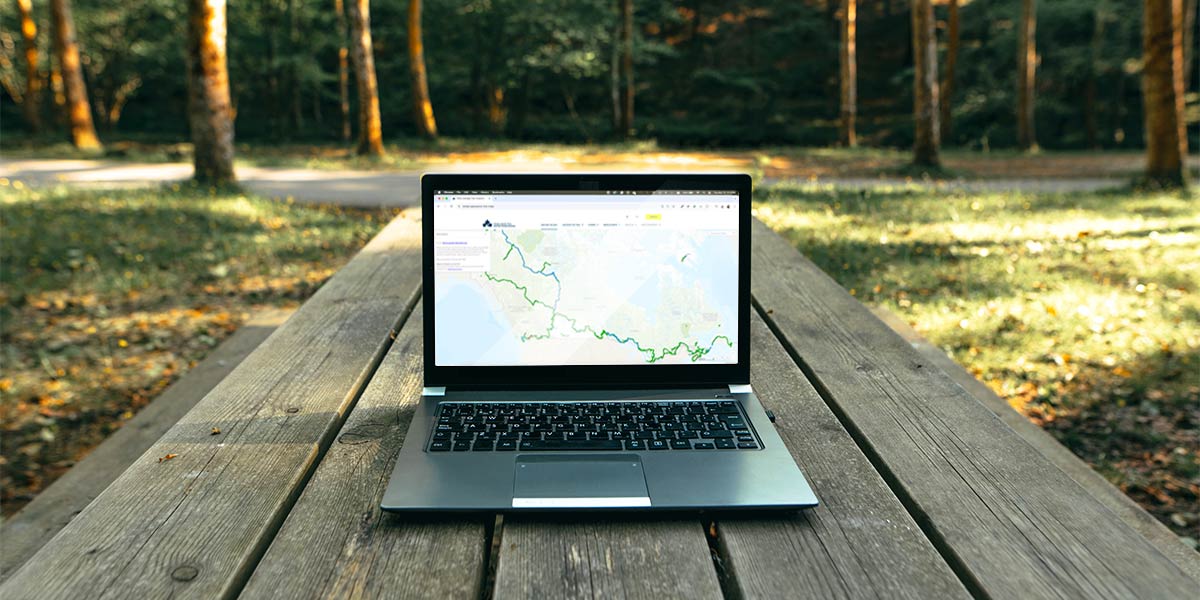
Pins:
x: 433, y: 391
x: 740, y: 388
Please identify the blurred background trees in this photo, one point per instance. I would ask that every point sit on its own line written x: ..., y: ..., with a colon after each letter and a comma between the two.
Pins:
x: 708, y: 72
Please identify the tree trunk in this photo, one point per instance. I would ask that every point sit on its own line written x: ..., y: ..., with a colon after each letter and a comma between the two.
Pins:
x: 497, y: 114
x: 370, y: 130
x: 293, y: 70
x: 343, y: 70
x: 79, y: 113
x: 614, y: 78
x: 1162, y: 87
x: 58, y: 96
x: 33, y: 82
x: 210, y: 113
x: 1090, y: 118
x: 925, y: 86
x: 422, y: 107
x: 1189, y: 42
x: 1026, y: 69
x: 849, y: 71
x: 948, y: 77
x: 627, y: 67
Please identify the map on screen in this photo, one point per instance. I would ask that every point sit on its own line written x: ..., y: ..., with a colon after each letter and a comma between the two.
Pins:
x: 570, y: 278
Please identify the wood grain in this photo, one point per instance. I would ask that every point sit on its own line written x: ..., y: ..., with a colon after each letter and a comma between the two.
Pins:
x: 859, y: 542
x: 195, y: 526
x: 604, y: 557
x: 1106, y: 493
x: 1011, y: 523
x: 338, y: 543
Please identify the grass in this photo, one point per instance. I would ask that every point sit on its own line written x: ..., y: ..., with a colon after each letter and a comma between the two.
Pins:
x: 106, y: 297
x: 1082, y: 310
x: 785, y: 162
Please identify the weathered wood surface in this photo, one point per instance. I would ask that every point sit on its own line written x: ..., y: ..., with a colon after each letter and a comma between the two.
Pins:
x: 605, y: 557
x: 196, y: 525
x: 26, y: 532
x: 338, y: 543
x: 859, y: 542
x: 1106, y: 493
x: 1008, y: 521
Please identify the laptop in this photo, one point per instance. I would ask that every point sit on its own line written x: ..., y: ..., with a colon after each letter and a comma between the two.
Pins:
x: 587, y: 346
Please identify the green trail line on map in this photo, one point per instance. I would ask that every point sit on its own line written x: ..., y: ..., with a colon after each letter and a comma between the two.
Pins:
x: 695, y: 351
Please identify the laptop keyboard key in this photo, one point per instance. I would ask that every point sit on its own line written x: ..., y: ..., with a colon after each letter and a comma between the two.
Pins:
x: 702, y: 446
x: 544, y: 445
x: 439, y: 446
x: 681, y: 445
x: 635, y: 445
x: 726, y: 444
x: 656, y: 445
x: 506, y: 445
x: 747, y: 445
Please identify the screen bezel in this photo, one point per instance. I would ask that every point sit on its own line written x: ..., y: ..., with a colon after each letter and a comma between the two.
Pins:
x: 588, y: 376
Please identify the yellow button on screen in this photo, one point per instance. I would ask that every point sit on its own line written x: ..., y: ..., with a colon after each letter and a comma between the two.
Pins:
x: 653, y: 216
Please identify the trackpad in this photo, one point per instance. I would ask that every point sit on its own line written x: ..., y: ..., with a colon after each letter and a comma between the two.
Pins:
x: 570, y: 481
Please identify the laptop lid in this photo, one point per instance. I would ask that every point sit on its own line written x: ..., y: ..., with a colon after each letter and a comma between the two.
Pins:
x: 586, y: 281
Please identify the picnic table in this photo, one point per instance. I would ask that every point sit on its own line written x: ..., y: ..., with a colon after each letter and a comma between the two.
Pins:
x: 276, y: 477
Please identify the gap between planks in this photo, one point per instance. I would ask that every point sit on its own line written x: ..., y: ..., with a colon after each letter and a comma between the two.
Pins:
x: 264, y: 542
x: 952, y: 559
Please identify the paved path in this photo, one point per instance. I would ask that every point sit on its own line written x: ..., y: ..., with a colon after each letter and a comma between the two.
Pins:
x: 400, y: 188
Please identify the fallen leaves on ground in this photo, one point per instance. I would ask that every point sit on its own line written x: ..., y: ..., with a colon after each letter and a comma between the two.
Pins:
x: 108, y: 297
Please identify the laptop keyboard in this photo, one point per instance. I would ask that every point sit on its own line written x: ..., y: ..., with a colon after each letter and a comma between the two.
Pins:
x: 610, y: 426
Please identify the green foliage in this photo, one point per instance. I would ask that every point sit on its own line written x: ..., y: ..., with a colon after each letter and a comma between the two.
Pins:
x: 708, y: 72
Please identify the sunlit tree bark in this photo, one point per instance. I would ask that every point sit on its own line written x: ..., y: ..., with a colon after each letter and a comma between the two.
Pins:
x: 33, y: 81
x: 849, y: 71
x: 947, y: 90
x: 627, y: 67
x: 370, y: 131
x: 422, y: 106
x: 925, y: 86
x: 210, y: 113
x: 66, y: 50
x: 1026, y: 72
x: 1162, y: 88
x: 343, y: 70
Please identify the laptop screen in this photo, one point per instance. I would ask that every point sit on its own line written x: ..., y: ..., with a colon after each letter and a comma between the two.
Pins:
x: 544, y: 277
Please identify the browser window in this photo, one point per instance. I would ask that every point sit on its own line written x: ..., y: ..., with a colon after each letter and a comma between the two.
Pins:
x: 525, y: 278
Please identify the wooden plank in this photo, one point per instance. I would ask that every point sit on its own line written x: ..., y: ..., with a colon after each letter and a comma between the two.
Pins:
x: 580, y: 557
x: 28, y: 530
x: 1008, y: 521
x: 1106, y: 493
x: 859, y: 542
x: 336, y: 542
x: 195, y: 526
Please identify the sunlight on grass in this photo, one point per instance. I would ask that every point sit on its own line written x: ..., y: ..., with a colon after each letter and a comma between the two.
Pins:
x: 109, y: 296
x: 1081, y: 310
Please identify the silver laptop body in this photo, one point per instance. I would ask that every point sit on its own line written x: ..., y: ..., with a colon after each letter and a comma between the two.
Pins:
x: 587, y: 347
